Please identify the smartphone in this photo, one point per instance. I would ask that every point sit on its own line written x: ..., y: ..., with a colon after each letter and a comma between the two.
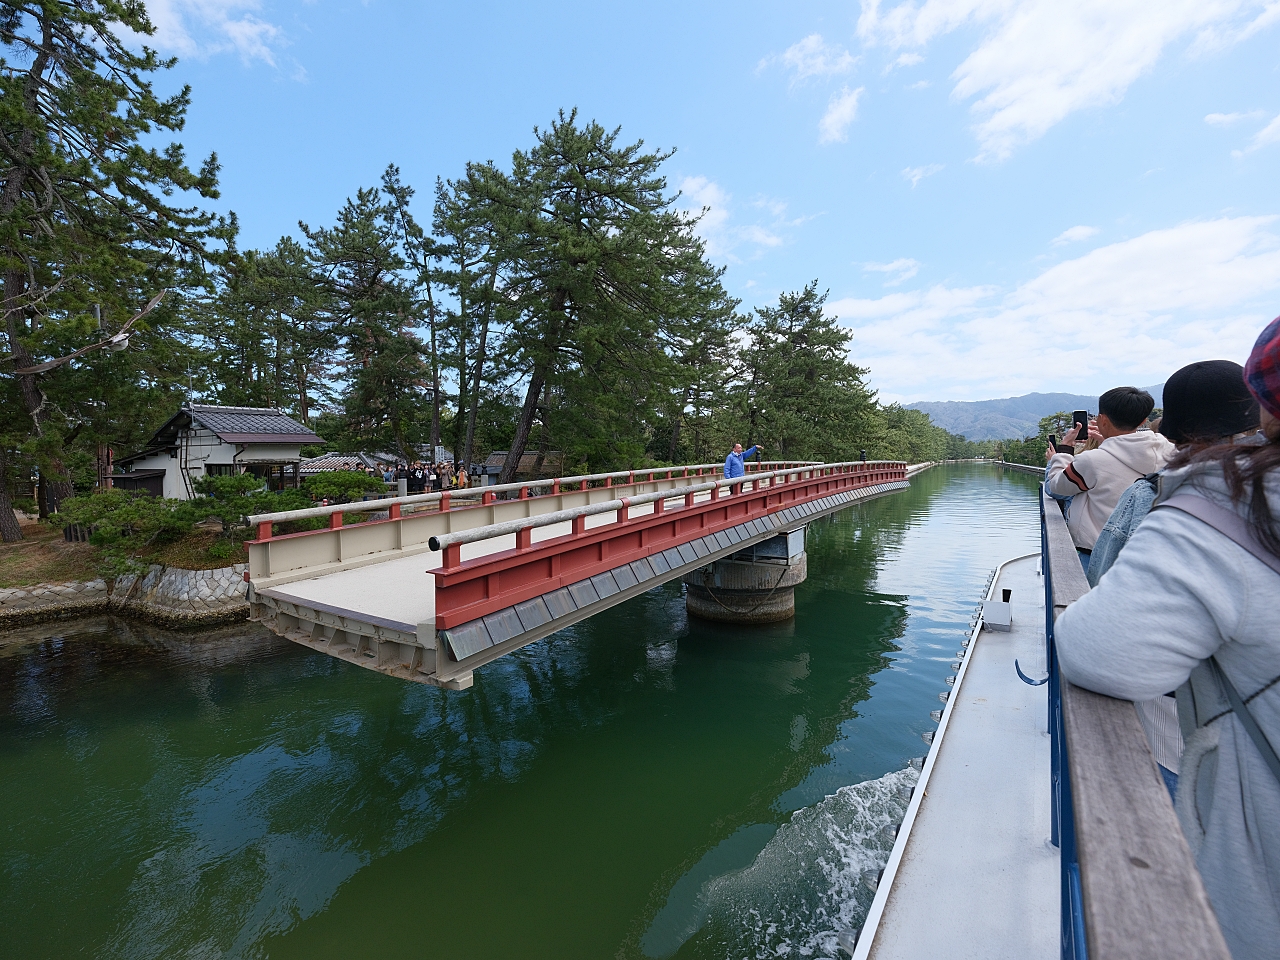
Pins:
x: 1081, y: 416
x: 1053, y: 440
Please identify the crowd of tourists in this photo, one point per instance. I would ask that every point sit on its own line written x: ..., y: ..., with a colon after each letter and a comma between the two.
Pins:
x: 1177, y: 522
x: 421, y: 477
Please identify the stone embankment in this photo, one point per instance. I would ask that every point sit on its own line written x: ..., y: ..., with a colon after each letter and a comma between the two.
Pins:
x: 164, y: 595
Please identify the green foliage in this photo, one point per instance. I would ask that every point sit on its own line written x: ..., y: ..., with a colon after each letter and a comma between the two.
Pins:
x: 1031, y: 450
x: 341, y: 486
x: 233, y: 499
x: 88, y: 217
x: 123, y: 523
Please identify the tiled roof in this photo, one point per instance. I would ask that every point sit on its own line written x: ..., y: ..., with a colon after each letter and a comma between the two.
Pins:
x: 551, y: 463
x: 251, y: 425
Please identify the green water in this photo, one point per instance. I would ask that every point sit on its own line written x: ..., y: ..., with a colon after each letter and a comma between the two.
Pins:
x: 638, y: 785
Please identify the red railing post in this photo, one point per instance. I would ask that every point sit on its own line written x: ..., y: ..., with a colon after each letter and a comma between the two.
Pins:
x: 624, y: 512
x: 524, y: 538
x: 659, y: 506
x: 579, y: 525
x: 393, y: 512
x: 688, y: 499
x: 264, y: 530
x: 524, y: 493
x: 555, y: 488
x: 452, y: 556
x: 335, y: 520
x: 486, y: 498
x: 631, y: 477
x: 444, y: 501
x: 584, y: 485
x: 608, y: 481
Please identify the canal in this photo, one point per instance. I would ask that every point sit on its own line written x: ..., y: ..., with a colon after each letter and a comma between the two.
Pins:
x: 639, y: 785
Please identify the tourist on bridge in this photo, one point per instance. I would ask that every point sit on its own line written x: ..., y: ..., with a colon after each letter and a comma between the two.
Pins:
x: 734, y: 465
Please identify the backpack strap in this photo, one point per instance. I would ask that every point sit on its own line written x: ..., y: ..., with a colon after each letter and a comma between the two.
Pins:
x: 1246, y: 718
x: 1227, y: 522
x: 1232, y: 526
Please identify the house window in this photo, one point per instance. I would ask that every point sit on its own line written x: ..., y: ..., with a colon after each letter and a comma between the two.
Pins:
x: 220, y: 469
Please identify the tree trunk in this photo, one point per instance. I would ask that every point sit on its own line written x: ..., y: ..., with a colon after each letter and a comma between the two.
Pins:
x: 10, y: 529
x: 537, y: 380
x: 544, y: 435
x: 675, y: 427
x: 523, y: 425
x: 474, y: 412
x: 58, y: 483
x: 435, y: 377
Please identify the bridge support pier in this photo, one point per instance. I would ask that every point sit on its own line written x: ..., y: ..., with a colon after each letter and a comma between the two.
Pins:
x: 755, y: 585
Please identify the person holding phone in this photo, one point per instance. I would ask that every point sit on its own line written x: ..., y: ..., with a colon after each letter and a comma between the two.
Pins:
x: 1092, y: 482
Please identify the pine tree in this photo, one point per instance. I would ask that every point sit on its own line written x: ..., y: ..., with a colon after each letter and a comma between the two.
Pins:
x: 85, y: 210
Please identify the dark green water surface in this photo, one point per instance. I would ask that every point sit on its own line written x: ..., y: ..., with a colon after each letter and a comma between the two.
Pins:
x: 638, y: 785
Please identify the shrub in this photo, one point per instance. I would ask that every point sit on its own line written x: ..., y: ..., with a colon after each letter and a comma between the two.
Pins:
x: 341, y: 486
x: 124, y: 522
x: 232, y: 500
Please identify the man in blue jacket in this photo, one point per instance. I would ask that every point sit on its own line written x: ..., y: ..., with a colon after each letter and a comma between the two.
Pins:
x: 733, y: 463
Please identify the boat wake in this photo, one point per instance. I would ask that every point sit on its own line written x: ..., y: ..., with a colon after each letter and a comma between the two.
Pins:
x: 812, y: 883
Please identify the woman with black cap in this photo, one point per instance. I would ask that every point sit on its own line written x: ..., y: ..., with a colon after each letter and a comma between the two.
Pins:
x: 1204, y: 403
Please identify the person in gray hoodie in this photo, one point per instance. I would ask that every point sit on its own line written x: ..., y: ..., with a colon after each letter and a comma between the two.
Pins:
x: 1186, y: 606
x: 1093, y: 481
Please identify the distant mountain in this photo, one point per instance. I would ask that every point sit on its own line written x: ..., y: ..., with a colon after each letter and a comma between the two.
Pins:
x: 1011, y: 417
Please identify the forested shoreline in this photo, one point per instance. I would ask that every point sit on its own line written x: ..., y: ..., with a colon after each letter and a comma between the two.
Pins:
x: 561, y: 301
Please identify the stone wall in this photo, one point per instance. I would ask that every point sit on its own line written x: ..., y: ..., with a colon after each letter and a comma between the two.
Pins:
x: 163, y: 595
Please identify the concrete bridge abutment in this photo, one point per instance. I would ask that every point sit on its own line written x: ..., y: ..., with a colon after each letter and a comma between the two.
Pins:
x: 755, y: 585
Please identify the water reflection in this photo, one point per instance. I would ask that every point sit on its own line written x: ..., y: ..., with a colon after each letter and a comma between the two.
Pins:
x: 231, y: 795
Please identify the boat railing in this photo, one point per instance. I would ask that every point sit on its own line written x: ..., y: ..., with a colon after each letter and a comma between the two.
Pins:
x: 1130, y: 887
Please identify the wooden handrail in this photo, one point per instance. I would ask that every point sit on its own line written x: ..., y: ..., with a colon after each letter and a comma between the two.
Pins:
x: 1142, y: 895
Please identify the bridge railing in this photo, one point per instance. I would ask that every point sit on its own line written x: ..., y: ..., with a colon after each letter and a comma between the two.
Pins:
x: 1130, y: 888
x: 740, y: 486
x: 525, y: 489
x: 402, y: 526
x: 516, y: 569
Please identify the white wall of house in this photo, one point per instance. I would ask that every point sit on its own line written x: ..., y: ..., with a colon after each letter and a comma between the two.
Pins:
x: 203, y: 449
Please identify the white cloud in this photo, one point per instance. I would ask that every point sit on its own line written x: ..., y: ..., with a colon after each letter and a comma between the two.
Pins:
x: 1129, y: 312
x: 203, y: 28
x: 841, y: 112
x: 905, y: 60
x: 1038, y: 61
x: 896, y: 271
x: 812, y: 57
x: 1268, y: 134
x: 916, y: 174
x: 1227, y: 119
x: 703, y: 197
x: 1074, y: 234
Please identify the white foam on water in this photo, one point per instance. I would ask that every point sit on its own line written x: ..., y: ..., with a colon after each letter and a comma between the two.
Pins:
x: 807, y: 885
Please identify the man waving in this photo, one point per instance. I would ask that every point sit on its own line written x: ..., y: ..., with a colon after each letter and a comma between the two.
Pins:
x: 733, y: 463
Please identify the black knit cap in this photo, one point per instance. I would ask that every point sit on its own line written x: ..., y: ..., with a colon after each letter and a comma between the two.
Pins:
x: 1208, y: 400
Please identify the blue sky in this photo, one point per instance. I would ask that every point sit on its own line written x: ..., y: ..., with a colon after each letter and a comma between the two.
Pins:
x: 1001, y: 195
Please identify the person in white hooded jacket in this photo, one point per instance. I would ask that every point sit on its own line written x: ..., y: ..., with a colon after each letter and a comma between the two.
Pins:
x: 1190, y: 604
x: 1096, y: 479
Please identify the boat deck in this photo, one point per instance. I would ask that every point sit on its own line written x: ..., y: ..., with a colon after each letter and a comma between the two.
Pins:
x: 974, y: 873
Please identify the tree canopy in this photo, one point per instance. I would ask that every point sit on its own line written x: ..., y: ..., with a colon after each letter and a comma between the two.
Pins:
x: 561, y: 303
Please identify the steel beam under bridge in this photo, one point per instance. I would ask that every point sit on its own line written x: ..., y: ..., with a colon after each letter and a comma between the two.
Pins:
x: 431, y: 595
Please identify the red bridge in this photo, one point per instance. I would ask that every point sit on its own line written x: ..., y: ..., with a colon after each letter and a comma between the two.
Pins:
x: 429, y: 587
